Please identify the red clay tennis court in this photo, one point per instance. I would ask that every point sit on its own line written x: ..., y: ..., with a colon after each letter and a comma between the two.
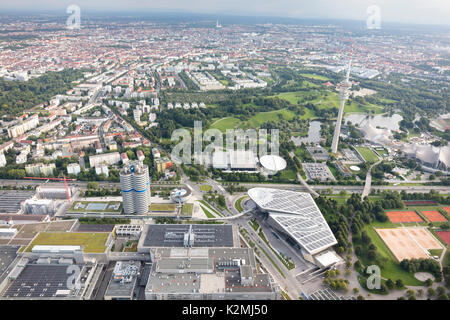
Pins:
x: 403, y: 216
x: 444, y: 235
x: 447, y: 209
x: 434, y: 216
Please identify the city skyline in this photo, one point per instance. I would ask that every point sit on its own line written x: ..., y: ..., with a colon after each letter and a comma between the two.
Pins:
x: 434, y: 12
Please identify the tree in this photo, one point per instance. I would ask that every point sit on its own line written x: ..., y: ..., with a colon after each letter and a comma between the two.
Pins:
x: 390, y: 284
x: 92, y: 185
x: 431, y: 292
x: 428, y: 282
x: 399, y: 283
x: 440, y: 290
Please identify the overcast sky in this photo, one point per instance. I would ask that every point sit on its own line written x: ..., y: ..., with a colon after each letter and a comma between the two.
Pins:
x: 407, y: 11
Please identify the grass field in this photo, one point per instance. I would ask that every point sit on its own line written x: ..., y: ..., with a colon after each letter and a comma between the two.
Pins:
x: 166, y: 207
x: 225, y: 123
x: 238, y: 204
x: 367, y: 154
x: 258, y: 119
x: 207, y: 212
x: 205, y: 187
x: 91, y: 242
x: 210, y: 208
x: 314, y: 76
x: 187, y: 209
x: 288, y: 174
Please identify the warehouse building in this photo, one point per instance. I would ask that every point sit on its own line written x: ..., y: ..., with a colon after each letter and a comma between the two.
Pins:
x: 207, y: 274
x: 123, y: 280
x: 185, y: 235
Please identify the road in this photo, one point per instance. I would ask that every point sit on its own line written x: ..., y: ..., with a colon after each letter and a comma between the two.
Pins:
x: 367, y: 185
x: 297, y: 187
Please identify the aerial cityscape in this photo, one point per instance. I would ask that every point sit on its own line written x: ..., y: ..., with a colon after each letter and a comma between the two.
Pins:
x: 210, y: 155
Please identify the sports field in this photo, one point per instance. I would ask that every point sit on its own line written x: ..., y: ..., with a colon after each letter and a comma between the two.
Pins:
x: 367, y: 154
x: 444, y: 235
x: 447, y: 209
x: 403, y: 216
x: 434, y: 216
x: 409, y: 243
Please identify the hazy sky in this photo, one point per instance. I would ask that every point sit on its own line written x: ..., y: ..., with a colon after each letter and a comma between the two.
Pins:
x: 409, y: 11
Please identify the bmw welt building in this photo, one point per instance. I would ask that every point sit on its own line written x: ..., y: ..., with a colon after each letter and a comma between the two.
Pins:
x: 296, y: 216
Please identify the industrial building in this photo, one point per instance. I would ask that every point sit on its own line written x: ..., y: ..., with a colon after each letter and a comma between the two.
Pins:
x: 49, y: 279
x: 207, y: 274
x: 128, y: 230
x: 296, y: 216
x: 48, y: 192
x: 8, y: 232
x: 185, y: 235
x: 135, y: 186
x: 11, y: 200
x: 39, y: 206
x: 123, y: 281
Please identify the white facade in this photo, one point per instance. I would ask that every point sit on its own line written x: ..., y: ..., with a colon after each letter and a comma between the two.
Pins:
x: 73, y: 168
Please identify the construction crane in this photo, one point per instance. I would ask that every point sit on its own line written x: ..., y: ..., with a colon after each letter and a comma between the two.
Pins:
x: 57, y: 179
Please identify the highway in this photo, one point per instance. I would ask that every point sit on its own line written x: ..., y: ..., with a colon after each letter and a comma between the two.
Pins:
x: 297, y: 187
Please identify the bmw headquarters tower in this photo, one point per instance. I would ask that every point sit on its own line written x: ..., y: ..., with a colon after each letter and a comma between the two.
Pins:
x: 135, y: 185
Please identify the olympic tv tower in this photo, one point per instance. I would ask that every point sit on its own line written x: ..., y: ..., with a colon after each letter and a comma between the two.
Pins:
x: 343, y: 95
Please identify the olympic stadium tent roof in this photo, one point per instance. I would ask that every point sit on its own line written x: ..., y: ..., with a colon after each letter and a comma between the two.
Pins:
x: 376, y: 135
x: 298, y: 215
x: 433, y: 156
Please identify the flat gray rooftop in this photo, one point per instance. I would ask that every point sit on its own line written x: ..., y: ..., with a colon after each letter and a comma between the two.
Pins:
x: 118, y: 289
x: 10, y: 200
x: 173, y: 283
x: 7, y: 256
x: 172, y: 235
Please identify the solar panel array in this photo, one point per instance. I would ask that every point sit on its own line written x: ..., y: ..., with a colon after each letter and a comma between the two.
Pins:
x: 299, y: 216
x: 7, y: 256
x: 39, y: 281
